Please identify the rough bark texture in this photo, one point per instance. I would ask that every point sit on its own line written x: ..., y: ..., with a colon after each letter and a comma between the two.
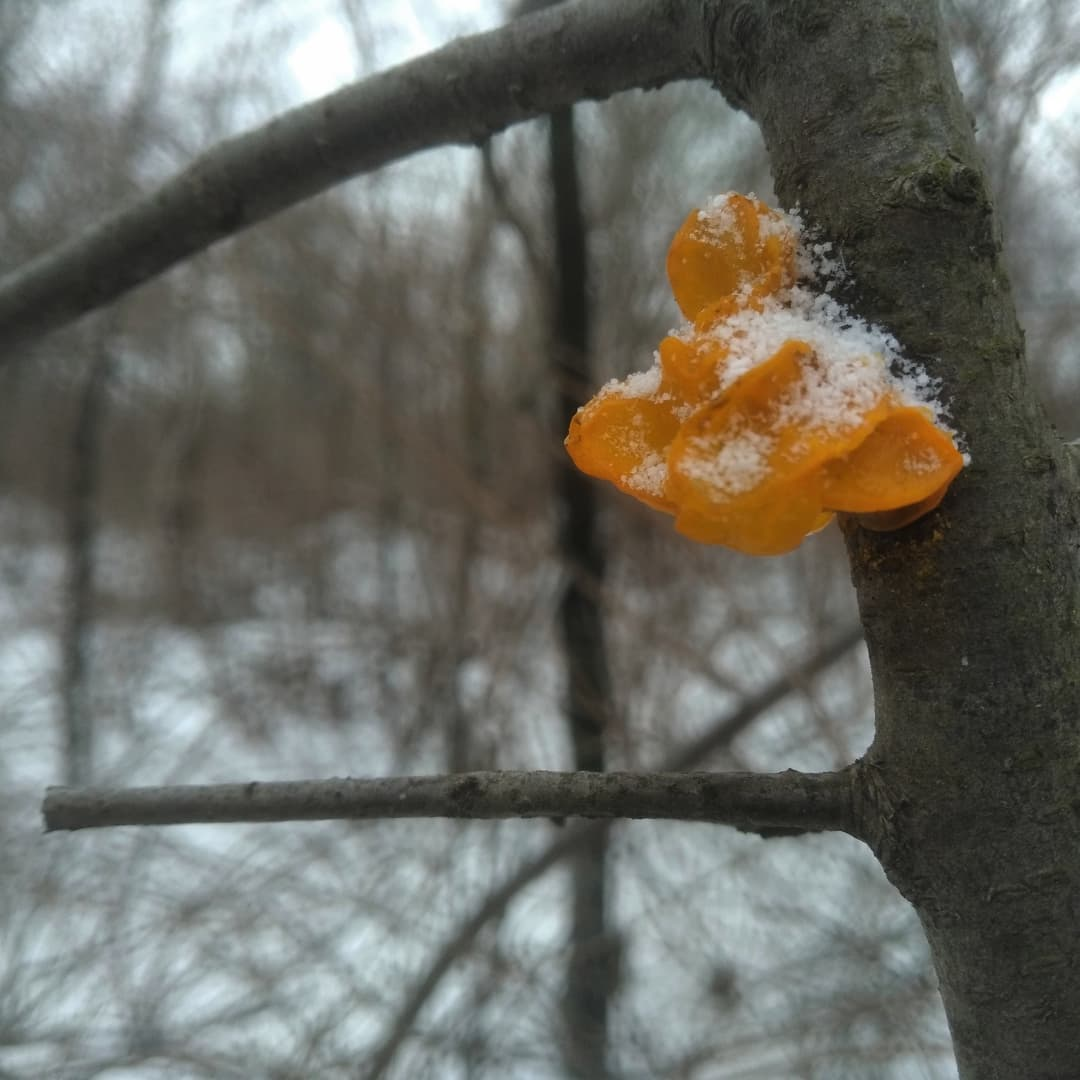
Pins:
x: 806, y: 802
x: 970, y: 791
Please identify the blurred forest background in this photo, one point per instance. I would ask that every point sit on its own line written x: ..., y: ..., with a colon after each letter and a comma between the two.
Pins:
x: 299, y: 508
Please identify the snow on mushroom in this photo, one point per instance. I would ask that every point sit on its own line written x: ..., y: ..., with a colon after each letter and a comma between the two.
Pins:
x: 773, y: 407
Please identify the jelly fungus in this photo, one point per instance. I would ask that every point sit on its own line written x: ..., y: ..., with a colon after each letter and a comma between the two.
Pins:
x: 773, y: 408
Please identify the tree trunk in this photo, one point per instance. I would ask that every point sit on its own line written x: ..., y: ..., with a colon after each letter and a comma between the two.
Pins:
x: 84, y: 482
x: 589, y: 979
x: 969, y: 793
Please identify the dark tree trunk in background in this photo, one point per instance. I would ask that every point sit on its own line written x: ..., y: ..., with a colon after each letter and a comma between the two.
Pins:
x: 86, y: 450
x: 581, y: 617
x: 593, y: 962
x: 84, y: 481
x: 591, y: 966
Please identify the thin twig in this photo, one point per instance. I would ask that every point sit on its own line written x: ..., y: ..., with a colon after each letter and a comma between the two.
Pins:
x: 749, y: 801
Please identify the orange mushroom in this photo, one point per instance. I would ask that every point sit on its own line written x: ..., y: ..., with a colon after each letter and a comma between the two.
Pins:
x: 736, y: 248
x: 625, y: 440
x: 759, y: 455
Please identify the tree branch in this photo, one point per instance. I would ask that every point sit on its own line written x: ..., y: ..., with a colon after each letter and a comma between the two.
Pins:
x: 575, y: 837
x: 460, y: 94
x: 807, y: 802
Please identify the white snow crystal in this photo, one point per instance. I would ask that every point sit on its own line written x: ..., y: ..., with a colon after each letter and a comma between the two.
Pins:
x: 853, y: 365
x: 741, y: 464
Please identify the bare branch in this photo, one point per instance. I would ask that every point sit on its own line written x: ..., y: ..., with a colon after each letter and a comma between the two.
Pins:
x: 806, y: 802
x: 508, y: 213
x: 572, y: 838
x: 460, y: 94
x: 568, y: 841
x: 576, y: 837
x: 721, y: 734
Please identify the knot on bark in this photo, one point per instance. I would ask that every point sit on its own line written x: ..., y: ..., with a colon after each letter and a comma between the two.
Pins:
x: 936, y: 185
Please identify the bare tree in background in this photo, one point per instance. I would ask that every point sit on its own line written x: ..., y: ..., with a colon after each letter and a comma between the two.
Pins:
x: 87, y: 441
x: 593, y: 961
x: 271, y: 481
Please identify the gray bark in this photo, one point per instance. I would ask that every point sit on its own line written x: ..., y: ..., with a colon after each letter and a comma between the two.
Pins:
x: 805, y: 802
x: 969, y: 792
x: 460, y: 94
